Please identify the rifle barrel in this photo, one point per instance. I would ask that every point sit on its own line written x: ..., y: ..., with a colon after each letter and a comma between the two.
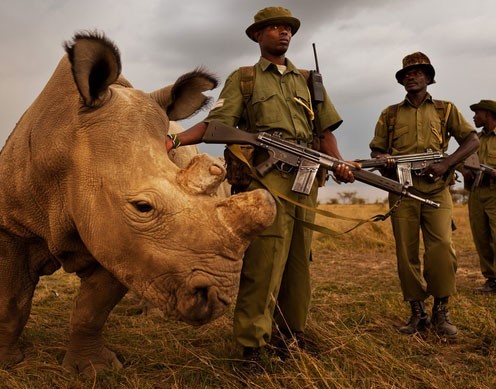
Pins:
x: 380, y: 162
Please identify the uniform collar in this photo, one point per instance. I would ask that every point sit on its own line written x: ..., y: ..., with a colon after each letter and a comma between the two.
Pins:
x: 406, y: 101
x: 492, y: 132
x: 265, y: 64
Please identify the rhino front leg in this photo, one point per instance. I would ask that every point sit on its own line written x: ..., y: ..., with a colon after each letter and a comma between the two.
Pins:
x: 86, y: 353
x: 16, y: 294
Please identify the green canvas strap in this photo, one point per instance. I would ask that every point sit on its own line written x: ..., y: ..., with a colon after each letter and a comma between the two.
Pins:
x: 391, y: 114
x: 443, y: 109
x: 246, y: 84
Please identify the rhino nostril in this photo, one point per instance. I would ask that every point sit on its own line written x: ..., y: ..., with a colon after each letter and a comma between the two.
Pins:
x: 201, y: 295
x: 215, y: 170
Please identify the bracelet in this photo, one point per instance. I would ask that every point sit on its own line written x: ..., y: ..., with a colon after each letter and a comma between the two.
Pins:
x: 175, y: 140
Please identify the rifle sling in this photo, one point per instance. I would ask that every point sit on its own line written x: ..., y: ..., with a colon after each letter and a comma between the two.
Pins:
x: 236, y: 150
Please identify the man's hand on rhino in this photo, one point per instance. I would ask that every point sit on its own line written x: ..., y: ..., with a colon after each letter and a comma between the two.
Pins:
x: 172, y: 142
x: 168, y: 144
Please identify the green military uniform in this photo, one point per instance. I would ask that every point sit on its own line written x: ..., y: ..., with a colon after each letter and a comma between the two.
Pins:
x: 276, y: 265
x: 482, y: 208
x: 415, y: 131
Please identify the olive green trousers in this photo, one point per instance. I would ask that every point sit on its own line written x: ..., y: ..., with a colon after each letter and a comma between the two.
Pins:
x: 482, y: 213
x: 275, y: 278
x: 436, y: 274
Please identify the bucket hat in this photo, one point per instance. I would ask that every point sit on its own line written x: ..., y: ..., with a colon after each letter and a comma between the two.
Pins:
x: 488, y: 105
x: 416, y: 59
x: 271, y: 15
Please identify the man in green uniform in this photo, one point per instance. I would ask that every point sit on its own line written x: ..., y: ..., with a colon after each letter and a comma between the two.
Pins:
x: 415, y: 125
x: 275, y: 279
x: 482, y: 197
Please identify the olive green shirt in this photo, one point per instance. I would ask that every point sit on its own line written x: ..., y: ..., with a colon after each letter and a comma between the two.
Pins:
x: 274, y: 103
x: 487, y: 149
x: 417, y: 130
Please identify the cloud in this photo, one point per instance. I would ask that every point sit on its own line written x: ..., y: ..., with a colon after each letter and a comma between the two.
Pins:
x: 360, y: 45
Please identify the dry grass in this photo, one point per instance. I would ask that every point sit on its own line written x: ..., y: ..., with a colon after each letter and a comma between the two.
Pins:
x: 356, y: 309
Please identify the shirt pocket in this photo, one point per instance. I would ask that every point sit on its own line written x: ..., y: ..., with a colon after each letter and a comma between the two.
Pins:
x: 302, y: 99
x: 491, y: 158
x: 266, y: 107
x: 302, y: 93
x: 400, y: 138
x: 436, y: 136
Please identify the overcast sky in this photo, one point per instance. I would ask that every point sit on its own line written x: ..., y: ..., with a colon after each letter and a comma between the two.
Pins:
x: 360, y: 46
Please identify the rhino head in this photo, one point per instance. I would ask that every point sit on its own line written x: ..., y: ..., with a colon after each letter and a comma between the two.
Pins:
x: 154, y: 226
x: 104, y: 193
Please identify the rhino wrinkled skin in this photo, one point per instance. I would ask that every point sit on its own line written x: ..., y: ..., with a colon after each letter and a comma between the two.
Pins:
x: 86, y: 185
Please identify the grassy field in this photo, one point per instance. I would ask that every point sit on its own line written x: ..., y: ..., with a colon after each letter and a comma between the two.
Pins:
x: 356, y: 309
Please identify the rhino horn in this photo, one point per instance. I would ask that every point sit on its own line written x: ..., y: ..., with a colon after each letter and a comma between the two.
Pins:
x: 203, y: 175
x: 185, y: 97
x: 95, y: 63
x: 242, y: 214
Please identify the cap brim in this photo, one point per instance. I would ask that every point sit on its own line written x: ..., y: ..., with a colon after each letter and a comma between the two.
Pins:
x: 483, y: 106
x: 400, y: 74
x: 293, y: 22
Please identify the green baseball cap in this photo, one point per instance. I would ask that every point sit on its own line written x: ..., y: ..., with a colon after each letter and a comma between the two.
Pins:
x: 271, y: 15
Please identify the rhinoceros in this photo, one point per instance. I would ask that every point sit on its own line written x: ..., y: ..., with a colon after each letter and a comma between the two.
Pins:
x: 86, y: 184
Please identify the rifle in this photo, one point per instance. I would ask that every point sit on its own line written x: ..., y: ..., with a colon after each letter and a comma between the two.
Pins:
x: 306, y: 160
x: 472, y: 163
x: 405, y: 164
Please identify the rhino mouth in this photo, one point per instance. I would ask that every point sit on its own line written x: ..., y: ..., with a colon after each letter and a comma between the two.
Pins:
x: 206, y: 305
x: 202, y: 302
x: 196, y: 294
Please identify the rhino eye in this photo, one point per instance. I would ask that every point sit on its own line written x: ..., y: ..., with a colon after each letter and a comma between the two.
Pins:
x: 142, y: 206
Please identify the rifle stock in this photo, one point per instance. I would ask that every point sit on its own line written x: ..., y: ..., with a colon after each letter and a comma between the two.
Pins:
x: 219, y: 133
x: 480, y: 170
x: 302, y: 158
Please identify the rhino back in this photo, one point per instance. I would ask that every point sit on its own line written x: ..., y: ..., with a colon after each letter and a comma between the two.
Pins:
x: 35, y: 157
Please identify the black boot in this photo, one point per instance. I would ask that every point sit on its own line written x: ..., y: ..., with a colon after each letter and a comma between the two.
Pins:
x: 252, y: 354
x: 419, y: 320
x: 488, y: 287
x: 441, y: 320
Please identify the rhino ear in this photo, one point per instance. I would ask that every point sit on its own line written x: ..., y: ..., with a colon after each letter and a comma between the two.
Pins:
x: 185, y: 97
x: 95, y: 63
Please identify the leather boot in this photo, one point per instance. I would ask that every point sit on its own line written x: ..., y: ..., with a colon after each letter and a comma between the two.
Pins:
x: 441, y: 320
x: 419, y: 320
